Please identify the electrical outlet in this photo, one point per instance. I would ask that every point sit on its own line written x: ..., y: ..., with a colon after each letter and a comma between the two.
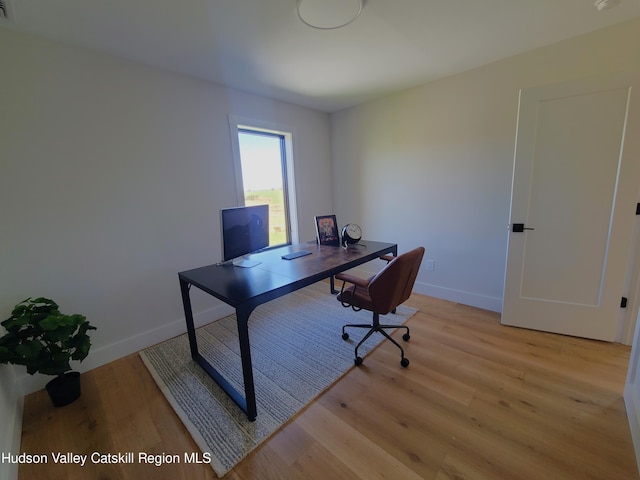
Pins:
x: 430, y: 264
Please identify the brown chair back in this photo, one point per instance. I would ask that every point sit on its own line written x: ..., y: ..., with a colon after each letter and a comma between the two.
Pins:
x: 394, y: 283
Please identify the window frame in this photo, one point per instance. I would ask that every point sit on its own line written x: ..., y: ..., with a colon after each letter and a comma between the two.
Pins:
x: 239, y: 125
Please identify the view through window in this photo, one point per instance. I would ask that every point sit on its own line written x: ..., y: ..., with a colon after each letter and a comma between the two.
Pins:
x: 263, y: 163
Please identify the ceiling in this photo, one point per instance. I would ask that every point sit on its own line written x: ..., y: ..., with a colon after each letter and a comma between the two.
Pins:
x: 261, y: 46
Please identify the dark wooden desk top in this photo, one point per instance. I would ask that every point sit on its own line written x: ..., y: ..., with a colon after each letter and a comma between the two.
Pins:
x: 274, y: 276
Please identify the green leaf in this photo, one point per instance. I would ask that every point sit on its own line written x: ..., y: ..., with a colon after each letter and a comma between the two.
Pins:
x: 60, y: 358
x: 29, y: 349
x: 82, y: 348
x: 5, y: 355
x: 58, y: 320
x: 18, y: 310
x: 16, y: 322
x: 42, y: 303
x: 60, y: 335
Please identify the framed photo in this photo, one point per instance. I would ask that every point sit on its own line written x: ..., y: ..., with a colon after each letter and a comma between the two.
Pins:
x: 327, y: 230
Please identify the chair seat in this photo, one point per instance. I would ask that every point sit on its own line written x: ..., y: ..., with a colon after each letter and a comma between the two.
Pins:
x: 357, y: 297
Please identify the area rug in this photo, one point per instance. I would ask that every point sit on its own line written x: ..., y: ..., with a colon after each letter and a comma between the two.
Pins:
x: 297, y: 352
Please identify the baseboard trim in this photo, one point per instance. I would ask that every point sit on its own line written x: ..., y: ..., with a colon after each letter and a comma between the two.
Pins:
x: 485, y: 302
x: 101, y: 356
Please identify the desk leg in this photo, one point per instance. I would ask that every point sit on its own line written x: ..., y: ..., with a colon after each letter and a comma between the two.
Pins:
x: 188, y: 316
x: 248, y: 402
x: 332, y: 285
x: 242, y: 318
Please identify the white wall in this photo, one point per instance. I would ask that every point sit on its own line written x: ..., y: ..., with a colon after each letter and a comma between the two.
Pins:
x: 111, y: 178
x: 432, y: 165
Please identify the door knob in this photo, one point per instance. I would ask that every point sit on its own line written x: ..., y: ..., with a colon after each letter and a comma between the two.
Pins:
x: 519, y: 228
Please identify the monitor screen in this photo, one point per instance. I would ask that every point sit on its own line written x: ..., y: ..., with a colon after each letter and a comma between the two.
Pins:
x: 244, y: 230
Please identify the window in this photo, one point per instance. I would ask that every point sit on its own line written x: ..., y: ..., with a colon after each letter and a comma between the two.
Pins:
x: 264, y: 171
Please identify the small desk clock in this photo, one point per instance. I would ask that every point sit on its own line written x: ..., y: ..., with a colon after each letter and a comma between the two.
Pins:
x: 351, y: 233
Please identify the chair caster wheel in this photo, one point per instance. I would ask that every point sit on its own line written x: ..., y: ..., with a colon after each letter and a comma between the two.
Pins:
x: 406, y: 337
x: 358, y: 361
x: 404, y: 362
x: 345, y: 336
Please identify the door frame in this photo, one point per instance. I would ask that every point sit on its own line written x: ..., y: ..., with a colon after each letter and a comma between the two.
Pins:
x: 628, y: 322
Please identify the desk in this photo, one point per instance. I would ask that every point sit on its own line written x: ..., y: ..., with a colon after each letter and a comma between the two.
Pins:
x: 246, y: 288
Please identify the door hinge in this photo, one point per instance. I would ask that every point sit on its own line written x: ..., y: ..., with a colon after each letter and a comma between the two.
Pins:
x: 623, y: 302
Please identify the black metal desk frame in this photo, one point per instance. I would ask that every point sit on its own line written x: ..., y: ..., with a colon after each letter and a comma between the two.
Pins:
x: 245, y: 289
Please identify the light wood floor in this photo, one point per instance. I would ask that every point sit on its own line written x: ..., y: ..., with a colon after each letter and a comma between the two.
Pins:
x: 479, y: 401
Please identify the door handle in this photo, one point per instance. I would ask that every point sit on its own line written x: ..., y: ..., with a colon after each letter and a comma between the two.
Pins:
x: 519, y: 228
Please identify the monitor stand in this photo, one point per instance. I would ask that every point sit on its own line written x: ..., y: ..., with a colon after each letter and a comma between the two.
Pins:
x: 245, y: 262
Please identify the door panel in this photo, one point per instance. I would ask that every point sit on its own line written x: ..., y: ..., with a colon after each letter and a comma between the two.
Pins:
x: 575, y: 185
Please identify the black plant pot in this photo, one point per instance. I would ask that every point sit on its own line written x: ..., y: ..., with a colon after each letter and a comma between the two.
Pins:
x: 64, y: 389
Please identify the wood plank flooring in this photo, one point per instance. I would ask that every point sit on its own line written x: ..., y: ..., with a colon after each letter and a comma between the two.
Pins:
x: 479, y: 401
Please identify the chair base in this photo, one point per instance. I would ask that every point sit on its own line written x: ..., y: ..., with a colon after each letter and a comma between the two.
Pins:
x: 377, y: 327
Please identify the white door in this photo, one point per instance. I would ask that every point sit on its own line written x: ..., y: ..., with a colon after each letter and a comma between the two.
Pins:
x: 575, y: 189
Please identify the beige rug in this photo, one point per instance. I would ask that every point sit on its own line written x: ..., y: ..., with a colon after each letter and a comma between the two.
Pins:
x: 297, y: 352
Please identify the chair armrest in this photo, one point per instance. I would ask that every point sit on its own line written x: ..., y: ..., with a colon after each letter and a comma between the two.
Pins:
x: 387, y: 258
x: 345, y: 277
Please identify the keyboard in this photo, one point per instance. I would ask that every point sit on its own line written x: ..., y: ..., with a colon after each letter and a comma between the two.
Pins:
x: 291, y: 256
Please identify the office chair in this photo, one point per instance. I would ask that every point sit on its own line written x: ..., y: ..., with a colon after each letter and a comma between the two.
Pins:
x: 381, y: 294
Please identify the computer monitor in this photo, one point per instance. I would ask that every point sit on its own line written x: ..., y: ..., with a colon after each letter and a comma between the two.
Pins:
x: 244, y: 230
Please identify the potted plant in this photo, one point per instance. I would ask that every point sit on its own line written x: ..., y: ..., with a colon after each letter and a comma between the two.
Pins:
x: 45, y: 341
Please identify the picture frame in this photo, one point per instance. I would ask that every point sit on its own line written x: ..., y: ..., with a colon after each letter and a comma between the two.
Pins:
x: 327, y: 230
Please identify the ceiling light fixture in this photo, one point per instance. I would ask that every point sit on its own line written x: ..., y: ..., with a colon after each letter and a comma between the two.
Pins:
x: 328, y: 14
x: 606, y: 4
